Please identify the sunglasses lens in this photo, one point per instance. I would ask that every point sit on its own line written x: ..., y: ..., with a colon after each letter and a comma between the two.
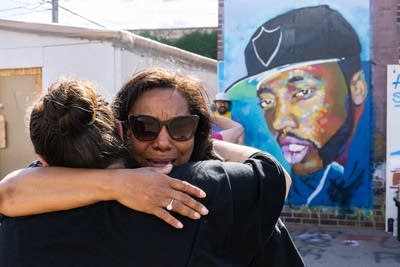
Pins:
x: 182, y: 128
x: 147, y: 128
x: 144, y: 128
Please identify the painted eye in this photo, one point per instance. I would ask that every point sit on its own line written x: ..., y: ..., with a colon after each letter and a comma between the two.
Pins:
x: 304, y: 93
x: 266, y: 103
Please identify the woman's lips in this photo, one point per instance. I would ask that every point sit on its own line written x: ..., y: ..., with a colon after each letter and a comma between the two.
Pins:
x: 162, y: 166
x: 160, y: 163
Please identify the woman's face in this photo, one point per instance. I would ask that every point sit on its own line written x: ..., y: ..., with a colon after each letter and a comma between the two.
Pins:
x: 162, y: 104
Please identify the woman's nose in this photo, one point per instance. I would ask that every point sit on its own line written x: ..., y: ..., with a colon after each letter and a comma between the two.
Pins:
x: 163, y: 140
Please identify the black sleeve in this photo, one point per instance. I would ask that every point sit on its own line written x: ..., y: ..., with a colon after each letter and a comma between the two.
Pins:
x: 258, y: 193
x: 212, y: 246
x: 244, y: 200
x: 272, y: 186
x: 279, y: 249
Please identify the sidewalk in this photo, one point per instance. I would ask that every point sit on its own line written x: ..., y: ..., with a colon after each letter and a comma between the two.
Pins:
x: 327, y: 246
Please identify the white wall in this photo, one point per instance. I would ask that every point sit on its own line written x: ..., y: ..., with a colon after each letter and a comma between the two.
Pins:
x: 106, y: 64
x: 132, y: 63
x: 392, y: 144
x: 90, y: 61
x: 14, y: 39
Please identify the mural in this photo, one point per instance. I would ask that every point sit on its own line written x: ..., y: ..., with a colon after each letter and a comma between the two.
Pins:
x: 298, y: 75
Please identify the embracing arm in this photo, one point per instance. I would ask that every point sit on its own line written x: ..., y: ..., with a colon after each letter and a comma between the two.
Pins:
x: 233, y: 152
x: 241, y: 153
x: 38, y: 190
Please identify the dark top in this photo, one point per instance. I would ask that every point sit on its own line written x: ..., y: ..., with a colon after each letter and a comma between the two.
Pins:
x: 244, y: 203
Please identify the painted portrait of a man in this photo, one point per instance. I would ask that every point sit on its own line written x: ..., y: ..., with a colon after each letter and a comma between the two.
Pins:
x: 306, y: 78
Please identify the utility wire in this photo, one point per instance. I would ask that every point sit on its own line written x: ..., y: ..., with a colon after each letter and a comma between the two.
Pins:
x: 24, y: 13
x: 12, y: 8
x: 42, y: 2
x: 76, y: 14
x: 22, y: 7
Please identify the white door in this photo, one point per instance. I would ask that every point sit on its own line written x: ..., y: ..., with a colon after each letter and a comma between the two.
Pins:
x: 17, y: 93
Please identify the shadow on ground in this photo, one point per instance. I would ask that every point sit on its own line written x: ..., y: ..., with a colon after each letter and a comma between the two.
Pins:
x: 326, y: 246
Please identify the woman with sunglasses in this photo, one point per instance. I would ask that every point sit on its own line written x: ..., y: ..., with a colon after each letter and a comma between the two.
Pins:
x: 244, y: 200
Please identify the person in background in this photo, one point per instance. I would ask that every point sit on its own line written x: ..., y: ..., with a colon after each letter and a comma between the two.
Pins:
x: 162, y: 135
x: 222, y: 105
x: 225, y: 127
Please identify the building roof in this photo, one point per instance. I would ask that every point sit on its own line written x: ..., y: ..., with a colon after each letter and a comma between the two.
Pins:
x: 118, y: 38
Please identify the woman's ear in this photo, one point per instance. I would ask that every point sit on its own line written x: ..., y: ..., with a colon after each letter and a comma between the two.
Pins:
x: 120, y: 129
x: 43, y: 162
x: 358, y: 88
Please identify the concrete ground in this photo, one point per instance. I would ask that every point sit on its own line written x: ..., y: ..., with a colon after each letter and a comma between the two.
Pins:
x: 326, y: 246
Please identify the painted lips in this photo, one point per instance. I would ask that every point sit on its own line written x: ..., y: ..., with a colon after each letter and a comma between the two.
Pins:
x: 294, y: 149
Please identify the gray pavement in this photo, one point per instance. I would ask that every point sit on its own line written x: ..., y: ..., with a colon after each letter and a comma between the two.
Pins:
x: 327, y: 246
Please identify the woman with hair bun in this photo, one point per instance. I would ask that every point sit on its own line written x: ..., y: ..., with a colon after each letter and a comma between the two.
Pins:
x: 72, y: 126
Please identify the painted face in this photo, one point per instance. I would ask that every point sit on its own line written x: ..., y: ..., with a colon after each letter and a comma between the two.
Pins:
x: 162, y: 104
x: 304, y: 107
x: 222, y: 106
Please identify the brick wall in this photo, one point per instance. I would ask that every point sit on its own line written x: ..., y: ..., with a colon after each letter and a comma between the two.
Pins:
x: 384, y: 47
x: 220, y: 33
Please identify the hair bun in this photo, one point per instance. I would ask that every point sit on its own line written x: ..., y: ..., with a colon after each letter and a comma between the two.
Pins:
x: 69, y: 109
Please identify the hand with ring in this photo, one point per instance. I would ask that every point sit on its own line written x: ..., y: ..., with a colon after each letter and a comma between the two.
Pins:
x: 150, y: 191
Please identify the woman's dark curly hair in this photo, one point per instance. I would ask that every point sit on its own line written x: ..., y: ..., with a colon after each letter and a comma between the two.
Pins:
x: 189, y: 88
x: 73, y: 126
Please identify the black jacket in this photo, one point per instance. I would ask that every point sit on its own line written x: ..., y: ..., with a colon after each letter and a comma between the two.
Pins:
x: 244, y: 203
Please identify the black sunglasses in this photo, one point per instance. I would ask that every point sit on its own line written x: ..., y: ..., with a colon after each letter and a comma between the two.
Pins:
x: 147, y: 128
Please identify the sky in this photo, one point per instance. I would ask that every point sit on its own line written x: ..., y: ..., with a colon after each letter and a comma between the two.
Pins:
x: 116, y: 14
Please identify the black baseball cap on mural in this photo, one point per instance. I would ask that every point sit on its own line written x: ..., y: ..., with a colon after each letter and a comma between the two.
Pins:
x: 307, y: 35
